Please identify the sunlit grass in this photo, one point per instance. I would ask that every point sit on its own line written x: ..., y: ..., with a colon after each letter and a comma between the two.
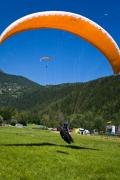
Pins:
x: 35, y: 154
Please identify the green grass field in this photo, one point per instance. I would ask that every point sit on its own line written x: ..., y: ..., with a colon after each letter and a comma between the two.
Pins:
x: 36, y: 154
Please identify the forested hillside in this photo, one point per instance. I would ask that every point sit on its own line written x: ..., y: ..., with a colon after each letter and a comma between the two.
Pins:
x: 88, y: 105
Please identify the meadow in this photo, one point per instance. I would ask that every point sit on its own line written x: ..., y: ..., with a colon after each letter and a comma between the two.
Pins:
x: 27, y: 154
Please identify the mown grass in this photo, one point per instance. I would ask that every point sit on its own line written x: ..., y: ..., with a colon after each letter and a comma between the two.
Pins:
x: 36, y: 154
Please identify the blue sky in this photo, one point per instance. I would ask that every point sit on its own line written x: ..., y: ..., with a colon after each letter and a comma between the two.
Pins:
x: 73, y: 59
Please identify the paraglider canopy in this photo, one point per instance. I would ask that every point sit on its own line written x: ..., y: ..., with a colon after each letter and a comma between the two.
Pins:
x: 46, y: 58
x: 71, y: 22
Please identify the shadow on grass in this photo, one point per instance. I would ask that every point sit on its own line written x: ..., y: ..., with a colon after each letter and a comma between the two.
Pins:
x: 50, y: 144
x: 62, y: 152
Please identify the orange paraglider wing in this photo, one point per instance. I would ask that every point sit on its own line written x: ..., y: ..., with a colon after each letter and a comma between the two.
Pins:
x: 73, y: 23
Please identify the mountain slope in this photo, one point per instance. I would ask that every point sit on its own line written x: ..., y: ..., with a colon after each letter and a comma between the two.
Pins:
x: 99, y: 97
x: 12, y: 87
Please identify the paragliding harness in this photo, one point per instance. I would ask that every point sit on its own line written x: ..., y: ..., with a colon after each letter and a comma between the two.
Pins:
x: 64, y: 132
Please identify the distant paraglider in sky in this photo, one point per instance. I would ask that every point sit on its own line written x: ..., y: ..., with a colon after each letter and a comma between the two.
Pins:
x: 73, y: 23
x: 46, y: 58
